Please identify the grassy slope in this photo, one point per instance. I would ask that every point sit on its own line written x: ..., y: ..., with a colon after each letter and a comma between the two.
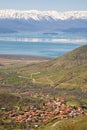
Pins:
x: 67, y: 75
x: 69, y: 70
x: 79, y: 123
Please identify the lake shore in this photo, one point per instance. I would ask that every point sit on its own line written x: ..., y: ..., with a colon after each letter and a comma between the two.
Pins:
x: 10, y: 58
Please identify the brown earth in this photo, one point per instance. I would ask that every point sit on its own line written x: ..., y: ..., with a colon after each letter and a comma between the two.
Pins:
x: 8, y: 59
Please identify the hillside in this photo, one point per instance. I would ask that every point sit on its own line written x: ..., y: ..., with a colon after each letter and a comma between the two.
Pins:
x: 74, y: 58
x: 69, y: 70
x: 70, y: 124
x: 35, y: 89
x: 64, y: 75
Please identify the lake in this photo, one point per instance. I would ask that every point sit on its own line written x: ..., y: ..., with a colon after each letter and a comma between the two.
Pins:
x: 48, y: 44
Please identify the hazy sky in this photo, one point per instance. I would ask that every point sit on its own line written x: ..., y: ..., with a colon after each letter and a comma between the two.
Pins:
x: 59, y: 5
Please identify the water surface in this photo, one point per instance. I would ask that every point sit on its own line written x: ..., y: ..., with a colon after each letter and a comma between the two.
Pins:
x: 47, y: 44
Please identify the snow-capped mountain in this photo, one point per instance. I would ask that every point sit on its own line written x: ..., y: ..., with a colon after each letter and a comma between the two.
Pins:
x: 33, y: 20
x: 39, y: 15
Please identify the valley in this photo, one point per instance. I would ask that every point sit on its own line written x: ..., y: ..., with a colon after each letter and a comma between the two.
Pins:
x: 40, y: 93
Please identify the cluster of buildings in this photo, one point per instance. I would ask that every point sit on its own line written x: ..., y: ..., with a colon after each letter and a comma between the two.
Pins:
x: 51, y: 110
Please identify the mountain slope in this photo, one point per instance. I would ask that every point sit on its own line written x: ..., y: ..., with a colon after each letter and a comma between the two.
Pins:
x: 65, y: 76
x: 76, y: 57
x: 69, y: 124
x: 68, y: 71
x: 33, y: 20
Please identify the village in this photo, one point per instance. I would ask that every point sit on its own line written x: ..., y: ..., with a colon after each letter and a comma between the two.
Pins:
x: 54, y: 108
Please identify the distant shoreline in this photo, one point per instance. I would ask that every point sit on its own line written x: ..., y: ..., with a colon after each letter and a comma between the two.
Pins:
x: 23, y: 57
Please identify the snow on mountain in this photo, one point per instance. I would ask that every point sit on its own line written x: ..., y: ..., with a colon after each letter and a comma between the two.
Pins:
x: 34, y: 20
x: 38, y: 15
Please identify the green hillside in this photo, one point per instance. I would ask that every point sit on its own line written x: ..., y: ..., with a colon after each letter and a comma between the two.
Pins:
x: 69, y: 70
x: 79, y: 123
x: 66, y: 75
x: 28, y: 87
x: 74, y: 58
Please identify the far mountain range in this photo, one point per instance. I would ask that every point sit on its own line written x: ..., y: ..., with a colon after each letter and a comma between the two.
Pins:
x: 33, y: 20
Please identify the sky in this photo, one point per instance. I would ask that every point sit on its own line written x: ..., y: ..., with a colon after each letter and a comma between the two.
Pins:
x: 59, y: 5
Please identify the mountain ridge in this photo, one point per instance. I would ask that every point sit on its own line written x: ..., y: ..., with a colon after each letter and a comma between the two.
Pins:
x: 17, y: 21
x: 69, y: 70
x: 38, y: 15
